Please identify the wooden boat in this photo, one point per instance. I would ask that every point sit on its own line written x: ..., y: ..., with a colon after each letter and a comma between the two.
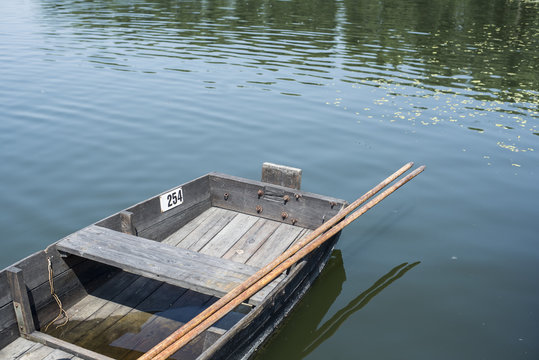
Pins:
x: 118, y: 287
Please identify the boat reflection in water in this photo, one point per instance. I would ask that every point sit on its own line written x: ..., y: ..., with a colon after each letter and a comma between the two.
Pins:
x: 299, y: 338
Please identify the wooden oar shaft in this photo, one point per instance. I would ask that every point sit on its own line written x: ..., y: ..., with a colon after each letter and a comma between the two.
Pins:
x: 185, y: 336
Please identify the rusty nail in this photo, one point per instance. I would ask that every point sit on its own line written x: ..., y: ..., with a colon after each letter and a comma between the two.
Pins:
x: 297, y: 196
x: 332, y: 204
x: 258, y: 209
x: 226, y: 196
x: 284, y: 215
x: 260, y: 193
x: 286, y: 198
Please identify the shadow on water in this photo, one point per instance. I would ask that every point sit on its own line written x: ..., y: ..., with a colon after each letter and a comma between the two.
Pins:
x: 298, y: 339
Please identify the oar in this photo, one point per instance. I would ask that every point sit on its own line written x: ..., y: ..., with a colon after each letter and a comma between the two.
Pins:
x: 245, y: 290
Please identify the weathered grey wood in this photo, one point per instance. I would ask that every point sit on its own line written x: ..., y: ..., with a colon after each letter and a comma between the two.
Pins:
x: 249, y: 243
x: 24, y: 349
x: 9, y: 332
x: 65, y: 346
x: 111, y: 310
x: 162, y: 323
x: 17, y: 348
x: 132, y: 322
x: 126, y: 223
x: 5, y: 296
x: 278, y: 242
x: 37, y: 352
x: 248, y: 335
x: 175, y: 238
x: 117, y: 317
x: 113, y: 222
x: 163, y: 229
x: 21, y: 303
x: 307, y: 210
x: 36, y: 276
x: 81, y: 312
x: 153, y: 224
x: 58, y: 354
x: 281, y: 175
x: 176, y: 266
x: 35, y: 270
x: 229, y: 235
x: 70, y: 286
x: 207, y: 230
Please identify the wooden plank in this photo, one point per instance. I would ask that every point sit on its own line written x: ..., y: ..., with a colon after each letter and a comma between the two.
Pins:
x: 37, y: 352
x: 175, y: 238
x: 161, y: 324
x: 17, y: 348
x: 70, y: 286
x: 35, y: 270
x: 36, y: 274
x: 164, y: 228
x: 67, y: 347
x: 58, y: 354
x: 173, y: 265
x: 90, y: 304
x: 108, y: 314
x: 229, y: 235
x: 134, y: 321
x: 207, y: 230
x: 249, y: 243
x: 7, y: 316
x: 278, y: 242
x: 21, y: 303
x: 150, y: 222
x: 125, y: 317
x: 5, y: 296
x: 126, y: 223
x: 281, y: 175
x: 9, y: 333
x: 24, y: 349
x: 307, y: 210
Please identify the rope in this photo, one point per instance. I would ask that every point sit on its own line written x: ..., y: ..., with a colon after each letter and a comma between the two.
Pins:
x: 62, y: 312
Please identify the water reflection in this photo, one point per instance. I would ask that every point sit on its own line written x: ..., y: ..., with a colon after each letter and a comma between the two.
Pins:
x: 479, y: 45
x: 329, y: 328
x: 309, y: 333
x: 473, y: 63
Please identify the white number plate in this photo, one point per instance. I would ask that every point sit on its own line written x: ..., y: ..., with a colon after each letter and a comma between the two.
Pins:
x: 171, y: 199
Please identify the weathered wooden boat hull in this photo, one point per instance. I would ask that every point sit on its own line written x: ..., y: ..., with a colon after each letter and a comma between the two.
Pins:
x: 184, y: 247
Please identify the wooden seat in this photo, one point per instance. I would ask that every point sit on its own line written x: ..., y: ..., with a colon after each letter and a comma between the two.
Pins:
x: 177, y: 266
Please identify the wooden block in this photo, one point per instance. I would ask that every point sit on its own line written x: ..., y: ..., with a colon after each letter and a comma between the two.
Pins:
x: 21, y: 303
x: 281, y: 175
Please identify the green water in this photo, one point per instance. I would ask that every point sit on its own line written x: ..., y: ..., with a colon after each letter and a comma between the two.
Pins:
x: 105, y: 103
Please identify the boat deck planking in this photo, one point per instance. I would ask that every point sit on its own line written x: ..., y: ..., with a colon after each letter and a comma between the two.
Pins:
x: 22, y: 349
x: 130, y: 313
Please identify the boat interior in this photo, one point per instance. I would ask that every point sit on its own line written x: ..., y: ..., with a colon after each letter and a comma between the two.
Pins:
x: 120, y: 300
